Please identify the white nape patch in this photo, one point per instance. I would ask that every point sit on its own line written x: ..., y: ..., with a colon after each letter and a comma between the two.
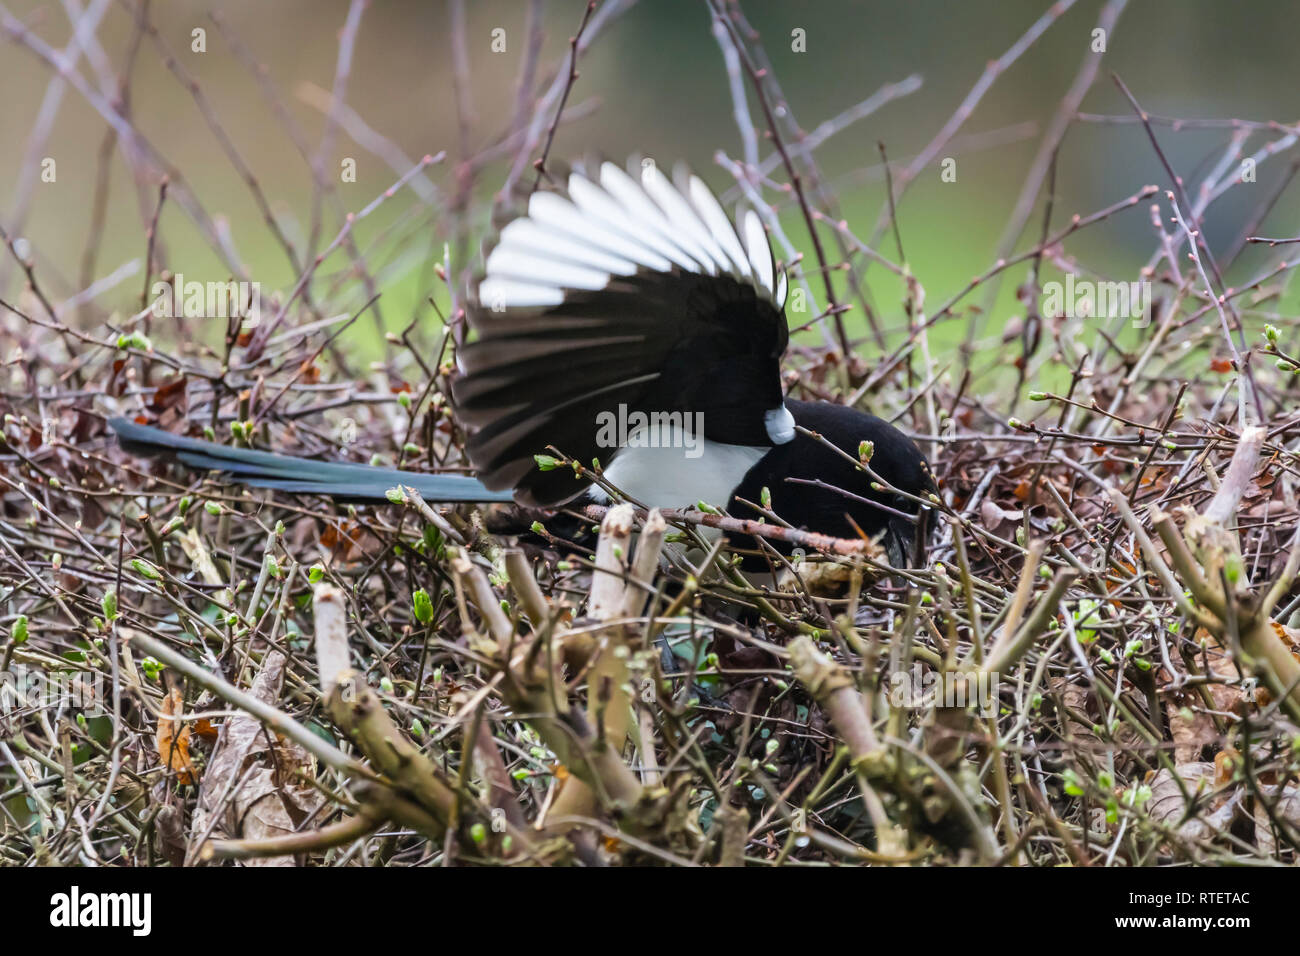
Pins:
x: 760, y: 253
x: 780, y: 425
x: 666, y: 478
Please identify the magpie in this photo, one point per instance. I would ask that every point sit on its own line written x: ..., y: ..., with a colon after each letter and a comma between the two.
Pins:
x: 625, y: 321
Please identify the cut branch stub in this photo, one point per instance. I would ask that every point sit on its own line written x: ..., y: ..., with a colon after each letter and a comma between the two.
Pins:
x: 330, y: 613
x: 1207, y: 563
x: 832, y: 686
x: 357, y: 710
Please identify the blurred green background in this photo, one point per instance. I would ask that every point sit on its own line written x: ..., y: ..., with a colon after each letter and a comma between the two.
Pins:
x: 658, y: 76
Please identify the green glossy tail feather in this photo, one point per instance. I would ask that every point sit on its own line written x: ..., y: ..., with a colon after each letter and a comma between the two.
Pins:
x: 263, y: 469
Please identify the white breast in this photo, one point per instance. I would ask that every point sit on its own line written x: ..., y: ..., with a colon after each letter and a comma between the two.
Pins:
x: 667, y: 477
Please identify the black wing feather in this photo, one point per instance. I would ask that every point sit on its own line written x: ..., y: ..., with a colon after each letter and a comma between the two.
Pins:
x: 649, y: 339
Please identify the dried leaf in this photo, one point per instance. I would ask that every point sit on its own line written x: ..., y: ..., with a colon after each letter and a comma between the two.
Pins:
x: 1285, y: 808
x: 173, y: 738
x: 993, y: 513
x: 168, y: 395
x: 1226, y: 762
x: 1168, y: 806
x: 1192, y: 734
x: 271, y: 800
x: 1287, y: 635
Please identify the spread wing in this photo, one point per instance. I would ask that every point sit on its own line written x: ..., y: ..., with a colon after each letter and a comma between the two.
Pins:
x: 626, y: 291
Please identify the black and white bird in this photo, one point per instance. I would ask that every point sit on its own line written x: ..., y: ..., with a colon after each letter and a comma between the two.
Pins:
x: 626, y: 319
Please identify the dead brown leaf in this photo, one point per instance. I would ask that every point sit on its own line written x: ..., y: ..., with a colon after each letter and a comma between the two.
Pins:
x: 173, y: 738
x: 271, y: 798
x: 1286, y: 808
x: 1168, y: 806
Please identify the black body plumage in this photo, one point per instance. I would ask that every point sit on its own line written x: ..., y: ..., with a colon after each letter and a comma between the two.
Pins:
x: 814, y: 488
